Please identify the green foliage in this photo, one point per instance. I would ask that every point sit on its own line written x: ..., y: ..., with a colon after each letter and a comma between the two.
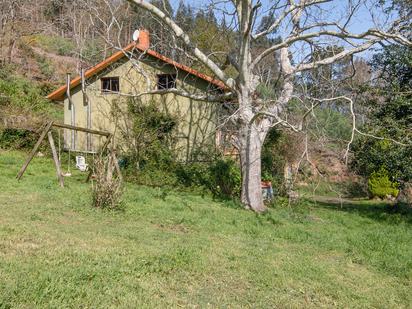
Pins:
x: 25, y: 99
x: 152, y: 136
x: 195, y: 174
x: 45, y: 66
x: 152, y: 162
x: 390, y: 117
x: 54, y: 44
x: 379, y: 184
x: 395, y: 66
x: 92, y: 51
x: 273, y: 158
x: 18, y: 92
x: 220, y: 176
x: 279, y: 148
x: 266, y: 92
x: 372, y: 154
x: 17, y: 138
x: 225, y: 178
x: 332, y: 124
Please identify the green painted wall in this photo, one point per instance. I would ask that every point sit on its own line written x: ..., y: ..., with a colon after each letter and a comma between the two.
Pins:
x: 197, y: 120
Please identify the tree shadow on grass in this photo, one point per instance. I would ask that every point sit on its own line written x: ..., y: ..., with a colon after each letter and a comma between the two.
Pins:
x: 376, y: 210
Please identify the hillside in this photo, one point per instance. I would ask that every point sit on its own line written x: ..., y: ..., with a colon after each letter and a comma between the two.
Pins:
x: 174, y: 249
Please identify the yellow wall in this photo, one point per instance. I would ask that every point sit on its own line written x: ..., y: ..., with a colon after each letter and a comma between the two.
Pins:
x: 196, y: 119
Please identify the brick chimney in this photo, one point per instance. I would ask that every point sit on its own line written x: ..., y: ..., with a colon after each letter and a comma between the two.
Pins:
x: 144, y: 39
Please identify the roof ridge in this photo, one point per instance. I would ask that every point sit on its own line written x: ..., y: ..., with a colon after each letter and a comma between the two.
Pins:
x: 59, y: 93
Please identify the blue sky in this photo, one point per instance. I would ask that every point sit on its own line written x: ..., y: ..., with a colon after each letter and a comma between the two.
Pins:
x: 360, y: 22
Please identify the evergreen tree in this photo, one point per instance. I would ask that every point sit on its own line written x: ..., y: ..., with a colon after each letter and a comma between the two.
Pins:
x: 390, y: 117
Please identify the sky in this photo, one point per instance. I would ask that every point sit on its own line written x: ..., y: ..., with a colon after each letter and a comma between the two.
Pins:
x: 362, y: 21
x: 334, y: 10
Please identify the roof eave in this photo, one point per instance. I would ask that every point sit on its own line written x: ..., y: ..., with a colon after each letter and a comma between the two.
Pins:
x: 59, y: 94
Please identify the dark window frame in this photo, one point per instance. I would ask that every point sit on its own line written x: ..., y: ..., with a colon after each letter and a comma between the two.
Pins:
x: 111, y: 87
x: 166, y: 81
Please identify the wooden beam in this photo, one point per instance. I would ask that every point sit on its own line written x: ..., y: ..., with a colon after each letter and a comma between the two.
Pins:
x: 33, y: 151
x: 56, y: 159
x: 67, y: 126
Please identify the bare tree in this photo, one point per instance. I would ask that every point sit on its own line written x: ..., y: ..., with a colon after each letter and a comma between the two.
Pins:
x: 299, y: 26
x: 17, y: 19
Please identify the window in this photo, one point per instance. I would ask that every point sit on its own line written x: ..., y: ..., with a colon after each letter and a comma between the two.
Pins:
x: 166, y: 81
x: 110, y: 84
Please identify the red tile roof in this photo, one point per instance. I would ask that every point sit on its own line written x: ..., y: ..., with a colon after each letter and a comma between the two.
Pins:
x: 58, y: 94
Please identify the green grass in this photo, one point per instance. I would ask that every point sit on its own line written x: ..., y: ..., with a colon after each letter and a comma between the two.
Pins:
x: 173, y: 249
x: 54, y: 44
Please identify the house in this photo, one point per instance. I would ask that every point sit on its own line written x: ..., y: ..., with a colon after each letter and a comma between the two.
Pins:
x: 91, y: 99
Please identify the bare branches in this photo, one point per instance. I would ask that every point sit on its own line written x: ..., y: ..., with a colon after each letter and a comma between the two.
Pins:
x: 354, y: 129
x: 371, y: 37
x: 286, y: 13
x: 216, y: 98
x: 186, y: 39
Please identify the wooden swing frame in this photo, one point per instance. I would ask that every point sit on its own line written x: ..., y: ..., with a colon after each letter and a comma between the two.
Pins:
x: 46, y: 130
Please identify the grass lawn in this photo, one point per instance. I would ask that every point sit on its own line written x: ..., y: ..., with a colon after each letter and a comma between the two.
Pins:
x: 173, y: 249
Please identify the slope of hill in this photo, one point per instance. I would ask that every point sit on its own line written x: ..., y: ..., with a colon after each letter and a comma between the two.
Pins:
x: 173, y: 249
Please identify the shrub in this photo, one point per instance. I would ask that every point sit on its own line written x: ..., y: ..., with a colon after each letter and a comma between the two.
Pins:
x: 92, y: 51
x: 17, y: 138
x: 107, y: 189
x: 225, y: 178
x: 151, y: 135
x: 193, y: 175
x: 221, y: 177
x: 54, y: 44
x: 280, y: 147
x: 45, y: 66
x: 379, y: 184
x: 18, y: 92
x: 152, y: 138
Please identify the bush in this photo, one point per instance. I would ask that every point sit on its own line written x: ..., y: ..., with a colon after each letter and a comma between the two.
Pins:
x: 54, y: 44
x: 153, y: 135
x: 379, y: 184
x: 107, y: 189
x: 45, y: 66
x: 18, y: 92
x: 221, y: 177
x: 17, y: 138
x: 280, y: 147
x: 225, y: 178
x: 193, y: 175
x: 92, y: 51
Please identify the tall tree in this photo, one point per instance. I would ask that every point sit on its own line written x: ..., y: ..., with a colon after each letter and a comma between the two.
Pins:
x: 299, y: 25
x: 389, y: 117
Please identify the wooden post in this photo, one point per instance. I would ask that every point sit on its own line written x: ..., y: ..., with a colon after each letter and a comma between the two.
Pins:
x: 73, y: 134
x: 88, y: 110
x: 56, y: 160
x: 45, y: 130
x: 33, y: 151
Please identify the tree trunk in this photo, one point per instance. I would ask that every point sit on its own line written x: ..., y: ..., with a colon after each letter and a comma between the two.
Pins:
x: 250, y: 159
x: 288, y: 176
x: 12, y: 43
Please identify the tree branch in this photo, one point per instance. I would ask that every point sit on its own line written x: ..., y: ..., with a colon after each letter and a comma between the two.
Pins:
x: 186, y: 39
